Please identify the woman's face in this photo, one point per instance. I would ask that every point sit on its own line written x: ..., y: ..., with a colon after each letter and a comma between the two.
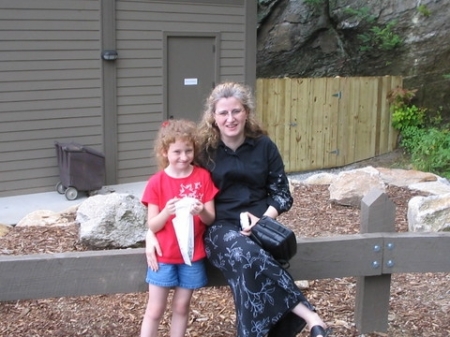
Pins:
x: 230, y: 117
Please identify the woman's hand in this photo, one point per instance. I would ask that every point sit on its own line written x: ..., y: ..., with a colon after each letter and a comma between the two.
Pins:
x: 152, y: 249
x: 253, y: 220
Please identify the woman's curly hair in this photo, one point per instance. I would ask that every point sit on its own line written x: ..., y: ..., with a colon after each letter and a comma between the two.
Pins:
x: 208, y: 133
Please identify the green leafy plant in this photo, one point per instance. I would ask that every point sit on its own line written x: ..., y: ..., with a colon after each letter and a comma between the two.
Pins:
x: 432, y: 153
x: 385, y: 38
x: 380, y: 37
x: 420, y: 135
x: 377, y: 36
x: 423, y: 9
x: 410, y: 138
x: 408, y: 116
x: 404, y: 114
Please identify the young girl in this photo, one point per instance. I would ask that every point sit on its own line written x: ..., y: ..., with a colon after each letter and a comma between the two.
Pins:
x: 177, y: 183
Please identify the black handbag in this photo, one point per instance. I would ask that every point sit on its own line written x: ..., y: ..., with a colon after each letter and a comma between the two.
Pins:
x: 276, y: 239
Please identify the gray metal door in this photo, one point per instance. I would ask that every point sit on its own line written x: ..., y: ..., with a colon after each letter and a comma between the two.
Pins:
x: 191, y: 69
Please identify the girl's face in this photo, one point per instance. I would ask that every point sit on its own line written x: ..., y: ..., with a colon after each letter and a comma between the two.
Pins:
x: 180, y: 155
x: 230, y: 117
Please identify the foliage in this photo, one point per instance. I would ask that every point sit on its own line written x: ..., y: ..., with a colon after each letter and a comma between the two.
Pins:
x: 423, y: 9
x: 408, y: 116
x: 400, y: 96
x: 382, y: 38
x: 377, y: 36
x: 410, y: 138
x: 420, y: 134
x: 385, y: 38
x: 405, y: 115
x: 432, y: 153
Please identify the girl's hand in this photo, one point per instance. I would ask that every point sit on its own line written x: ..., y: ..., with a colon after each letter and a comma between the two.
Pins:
x: 152, y: 249
x: 171, y: 206
x: 197, y: 207
x: 253, y: 220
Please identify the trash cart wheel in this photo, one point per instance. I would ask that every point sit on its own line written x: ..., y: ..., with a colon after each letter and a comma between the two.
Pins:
x: 60, y: 188
x: 71, y: 193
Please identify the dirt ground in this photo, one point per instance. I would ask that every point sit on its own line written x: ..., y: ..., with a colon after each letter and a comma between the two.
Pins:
x: 419, y: 303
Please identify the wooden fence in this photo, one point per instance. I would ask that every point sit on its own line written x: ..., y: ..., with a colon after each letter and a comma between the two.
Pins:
x: 372, y: 256
x: 327, y: 122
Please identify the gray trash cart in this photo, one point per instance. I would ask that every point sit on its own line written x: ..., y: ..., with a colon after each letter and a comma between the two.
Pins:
x: 80, y: 169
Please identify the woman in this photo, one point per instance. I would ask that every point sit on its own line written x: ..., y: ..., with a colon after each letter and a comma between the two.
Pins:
x: 248, y: 170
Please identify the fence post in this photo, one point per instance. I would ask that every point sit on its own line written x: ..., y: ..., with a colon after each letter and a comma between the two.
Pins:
x: 373, y: 292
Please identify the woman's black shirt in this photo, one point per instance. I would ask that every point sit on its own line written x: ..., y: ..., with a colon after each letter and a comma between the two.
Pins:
x: 249, y: 179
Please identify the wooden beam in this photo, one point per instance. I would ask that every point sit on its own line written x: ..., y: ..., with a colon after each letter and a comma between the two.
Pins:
x: 338, y: 256
x: 72, y: 274
x: 123, y: 271
x: 416, y: 253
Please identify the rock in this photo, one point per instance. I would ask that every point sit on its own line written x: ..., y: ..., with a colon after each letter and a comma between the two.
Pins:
x: 429, y: 214
x: 48, y: 218
x: 4, y: 229
x: 116, y: 220
x: 349, y: 187
x: 323, y: 178
x: 441, y: 186
x: 403, y: 178
x: 302, y: 284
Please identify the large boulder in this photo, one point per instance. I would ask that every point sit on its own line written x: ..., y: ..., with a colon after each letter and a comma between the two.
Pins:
x: 438, y: 187
x: 115, y: 220
x: 403, y: 178
x: 48, y: 218
x: 429, y: 214
x: 350, y: 187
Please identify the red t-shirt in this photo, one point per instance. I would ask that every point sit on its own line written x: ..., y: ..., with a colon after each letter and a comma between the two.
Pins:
x: 159, y: 189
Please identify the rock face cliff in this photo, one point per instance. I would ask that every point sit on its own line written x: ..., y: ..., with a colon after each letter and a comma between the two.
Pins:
x: 327, y: 38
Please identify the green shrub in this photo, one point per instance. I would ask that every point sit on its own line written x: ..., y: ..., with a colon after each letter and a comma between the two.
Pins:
x: 385, y: 38
x: 407, y: 116
x: 432, y: 152
x: 410, y: 138
x: 420, y: 135
x: 423, y: 9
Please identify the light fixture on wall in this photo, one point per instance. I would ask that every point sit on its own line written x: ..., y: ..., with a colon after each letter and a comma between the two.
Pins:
x: 109, y: 55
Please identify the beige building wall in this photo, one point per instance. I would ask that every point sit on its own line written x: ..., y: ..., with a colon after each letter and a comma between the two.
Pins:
x: 54, y: 86
x: 50, y: 87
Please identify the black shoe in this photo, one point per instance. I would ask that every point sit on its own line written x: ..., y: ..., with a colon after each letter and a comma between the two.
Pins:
x: 288, y: 326
x: 317, y: 330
